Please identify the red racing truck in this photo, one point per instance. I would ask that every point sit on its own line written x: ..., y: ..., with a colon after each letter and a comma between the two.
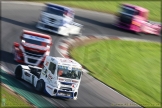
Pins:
x: 135, y: 18
x: 33, y: 48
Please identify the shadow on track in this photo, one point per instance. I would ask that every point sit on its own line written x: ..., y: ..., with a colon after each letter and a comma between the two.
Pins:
x: 31, y: 26
x: 7, y: 57
x: 106, y: 25
x: 18, y: 86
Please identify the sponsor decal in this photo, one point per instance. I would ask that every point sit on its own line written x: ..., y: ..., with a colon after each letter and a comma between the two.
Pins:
x: 49, y: 87
x: 50, y: 77
x: 27, y: 74
x: 74, y: 81
x: 47, y: 63
x: 67, y: 80
x: 34, y: 46
x: 36, y: 38
x: 52, y: 59
x: 66, y: 60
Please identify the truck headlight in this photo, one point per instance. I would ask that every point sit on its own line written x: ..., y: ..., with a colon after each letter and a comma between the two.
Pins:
x: 47, y: 53
x: 136, y: 23
x: 23, y: 41
x: 48, y: 46
x: 74, y: 85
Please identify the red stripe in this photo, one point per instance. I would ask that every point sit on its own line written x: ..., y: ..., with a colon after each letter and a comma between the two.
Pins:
x: 37, y: 34
x: 62, y: 47
x: 91, y: 37
x: 66, y: 42
x: 66, y: 56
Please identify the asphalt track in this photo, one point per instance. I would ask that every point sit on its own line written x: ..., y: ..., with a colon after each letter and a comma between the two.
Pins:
x: 92, y: 93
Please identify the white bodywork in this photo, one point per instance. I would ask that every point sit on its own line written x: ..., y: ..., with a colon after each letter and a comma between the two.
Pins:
x: 54, y: 84
x: 62, y: 25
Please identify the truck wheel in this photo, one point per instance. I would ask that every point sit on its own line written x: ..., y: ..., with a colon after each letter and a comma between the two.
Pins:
x: 40, y: 86
x: 18, y: 72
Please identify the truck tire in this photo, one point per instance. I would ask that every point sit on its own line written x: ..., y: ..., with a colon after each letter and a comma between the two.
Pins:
x: 40, y: 86
x: 18, y: 72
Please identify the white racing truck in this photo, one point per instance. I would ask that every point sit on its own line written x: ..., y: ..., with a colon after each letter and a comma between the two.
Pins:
x: 60, y: 20
x: 60, y: 77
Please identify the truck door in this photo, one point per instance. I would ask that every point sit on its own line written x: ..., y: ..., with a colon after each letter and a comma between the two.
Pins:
x: 28, y: 76
x: 51, y: 71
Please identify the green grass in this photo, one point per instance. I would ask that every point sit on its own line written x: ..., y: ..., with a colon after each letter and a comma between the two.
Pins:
x: 12, y: 99
x: 113, y: 6
x: 132, y: 68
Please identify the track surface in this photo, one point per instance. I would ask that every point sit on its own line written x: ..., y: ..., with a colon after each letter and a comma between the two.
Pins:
x: 92, y: 93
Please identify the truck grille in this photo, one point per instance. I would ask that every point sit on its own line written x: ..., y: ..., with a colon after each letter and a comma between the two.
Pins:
x: 32, y: 60
x: 66, y: 83
x: 125, y: 18
x: 51, y: 20
x: 34, y: 54
x: 66, y: 88
x: 65, y: 93
x: 51, y: 28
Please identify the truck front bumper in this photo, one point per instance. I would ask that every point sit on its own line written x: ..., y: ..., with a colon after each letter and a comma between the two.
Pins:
x: 56, y: 92
x: 62, y: 30
x: 130, y: 27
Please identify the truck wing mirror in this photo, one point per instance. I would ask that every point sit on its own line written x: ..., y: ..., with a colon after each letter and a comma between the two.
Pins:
x: 16, y: 44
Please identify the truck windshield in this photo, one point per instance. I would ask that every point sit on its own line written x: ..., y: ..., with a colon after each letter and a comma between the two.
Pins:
x: 129, y: 11
x: 40, y: 43
x: 75, y: 73
x: 58, y: 12
x: 54, y: 11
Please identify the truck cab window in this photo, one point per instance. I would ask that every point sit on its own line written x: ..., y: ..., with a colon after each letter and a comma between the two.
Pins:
x: 54, y: 11
x: 52, y: 67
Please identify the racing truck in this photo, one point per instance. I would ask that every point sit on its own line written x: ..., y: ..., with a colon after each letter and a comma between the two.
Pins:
x: 60, y: 20
x: 135, y: 18
x: 32, y: 49
x: 59, y: 77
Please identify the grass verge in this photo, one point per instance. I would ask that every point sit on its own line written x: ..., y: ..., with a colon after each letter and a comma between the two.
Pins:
x: 10, y: 99
x: 131, y: 68
x: 112, y: 6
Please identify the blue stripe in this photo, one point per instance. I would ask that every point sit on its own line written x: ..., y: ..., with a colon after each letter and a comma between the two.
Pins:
x: 67, y: 83
x: 62, y: 8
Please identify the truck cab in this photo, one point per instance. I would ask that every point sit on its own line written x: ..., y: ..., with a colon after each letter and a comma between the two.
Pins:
x: 33, y: 48
x: 59, y: 77
x: 59, y: 19
x: 131, y: 17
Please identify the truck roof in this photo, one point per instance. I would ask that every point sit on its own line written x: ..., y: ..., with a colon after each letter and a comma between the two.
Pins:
x: 67, y: 61
x: 136, y: 7
x: 59, y: 7
x: 37, y: 34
